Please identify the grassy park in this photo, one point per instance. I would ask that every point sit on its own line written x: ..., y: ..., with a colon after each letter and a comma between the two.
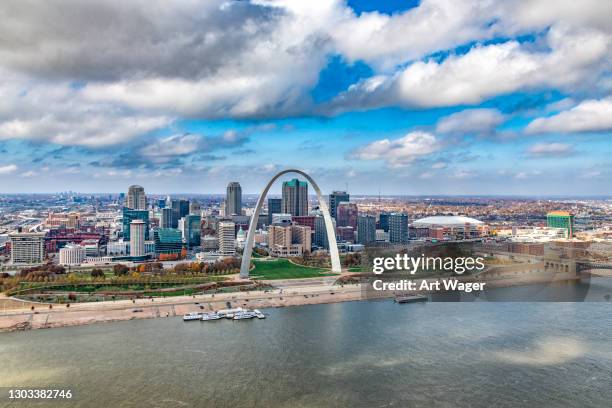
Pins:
x: 284, y: 269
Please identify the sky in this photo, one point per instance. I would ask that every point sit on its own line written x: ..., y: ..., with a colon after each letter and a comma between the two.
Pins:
x: 457, y: 97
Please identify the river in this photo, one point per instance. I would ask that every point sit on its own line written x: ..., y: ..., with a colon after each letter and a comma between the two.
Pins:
x: 352, y: 354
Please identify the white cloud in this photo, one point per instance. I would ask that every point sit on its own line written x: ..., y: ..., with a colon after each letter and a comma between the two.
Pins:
x: 176, y: 145
x: 479, y: 121
x: 8, y: 169
x: 550, y: 149
x: 399, y: 152
x: 588, y: 116
x: 485, y: 71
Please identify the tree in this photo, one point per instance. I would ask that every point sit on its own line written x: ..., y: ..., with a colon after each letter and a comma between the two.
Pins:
x: 120, y: 270
x: 97, y: 273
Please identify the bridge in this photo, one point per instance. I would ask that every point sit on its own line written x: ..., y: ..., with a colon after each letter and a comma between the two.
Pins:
x: 583, y: 266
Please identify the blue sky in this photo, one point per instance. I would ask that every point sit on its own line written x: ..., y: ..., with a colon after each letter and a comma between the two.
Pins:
x: 405, y: 97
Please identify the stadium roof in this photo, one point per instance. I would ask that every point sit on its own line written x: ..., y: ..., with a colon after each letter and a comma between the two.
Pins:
x: 446, y: 221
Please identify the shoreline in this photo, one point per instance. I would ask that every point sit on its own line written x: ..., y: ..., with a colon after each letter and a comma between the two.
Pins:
x: 296, y: 292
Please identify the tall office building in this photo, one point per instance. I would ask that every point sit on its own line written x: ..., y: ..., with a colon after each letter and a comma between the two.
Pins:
x: 27, y: 247
x: 289, y: 240
x: 295, y: 197
x: 366, y: 229
x: 275, y: 206
x: 180, y: 208
x: 136, y: 198
x: 131, y: 215
x: 233, y: 199
x: 561, y: 219
x: 398, y: 228
x: 71, y: 254
x: 336, y: 198
x: 192, y: 230
x: 346, y: 215
x: 166, y: 218
x: 226, y: 233
x: 320, y: 232
x: 137, y: 238
x: 383, y: 221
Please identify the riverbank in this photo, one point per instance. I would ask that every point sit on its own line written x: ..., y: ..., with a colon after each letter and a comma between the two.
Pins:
x: 290, y: 292
x: 87, y: 313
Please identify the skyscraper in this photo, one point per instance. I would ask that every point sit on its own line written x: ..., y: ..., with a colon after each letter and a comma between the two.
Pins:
x: 233, y: 199
x: 137, y: 238
x: 320, y: 232
x: 136, y: 198
x: 366, y: 229
x: 275, y: 206
x: 346, y: 215
x: 131, y: 215
x: 383, y: 221
x: 398, y: 228
x: 295, y: 197
x: 227, y: 238
x: 192, y: 230
x: 180, y: 208
x: 336, y: 198
x: 561, y: 219
x: 166, y: 218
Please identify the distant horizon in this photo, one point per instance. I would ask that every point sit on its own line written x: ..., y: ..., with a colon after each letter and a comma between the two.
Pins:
x: 357, y: 195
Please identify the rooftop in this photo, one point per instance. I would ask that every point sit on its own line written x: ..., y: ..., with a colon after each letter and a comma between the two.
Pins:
x: 447, y: 220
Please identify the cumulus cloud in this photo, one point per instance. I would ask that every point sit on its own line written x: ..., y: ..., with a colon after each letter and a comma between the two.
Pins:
x: 587, y: 116
x: 550, y: 149
x: 477, y: 121
x: 8, y: 169
x: 576, y: 56
x: 399, y: 152
x: 57, y: 113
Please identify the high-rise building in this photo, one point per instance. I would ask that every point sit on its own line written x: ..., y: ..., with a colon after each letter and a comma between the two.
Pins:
x: 166, y: 218
x: 336, y: 198
x: 320, y: 234
x: 398, y: 228
x: 295, y: 197
x: 561, y: 219
x: 131, y: 215
x: 192, y: 230
x: 233, y: 199
x: 346, y: 215
x: 226, y: 234
x: 180, y: 208
x: 136, y: 198
x: 137, y: 238
x: 27, y: 247
x: 366, y: 229
x: 275, y: 206
x: 383, y: 221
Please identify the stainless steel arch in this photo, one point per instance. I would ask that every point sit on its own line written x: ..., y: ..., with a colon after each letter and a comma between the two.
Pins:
x: 329, y: 226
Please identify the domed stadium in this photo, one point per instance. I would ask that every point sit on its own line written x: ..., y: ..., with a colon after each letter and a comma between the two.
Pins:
x: 446, y: 221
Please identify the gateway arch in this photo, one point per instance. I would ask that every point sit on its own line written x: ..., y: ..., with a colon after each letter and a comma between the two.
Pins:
x: 329, y: 226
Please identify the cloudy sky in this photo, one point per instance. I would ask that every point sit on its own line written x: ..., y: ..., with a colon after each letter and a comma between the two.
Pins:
x: 409, y: 97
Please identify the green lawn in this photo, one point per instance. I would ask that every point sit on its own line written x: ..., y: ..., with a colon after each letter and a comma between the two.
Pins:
x: 283, y: 269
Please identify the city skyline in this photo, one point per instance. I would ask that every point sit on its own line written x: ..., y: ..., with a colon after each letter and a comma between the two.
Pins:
x: 509, y: 99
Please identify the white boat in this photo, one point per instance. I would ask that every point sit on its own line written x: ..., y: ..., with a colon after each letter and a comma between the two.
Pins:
x: 210, y: 316
x: 192, y: 316
x: 244, y: 315
x: 258, y: 314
